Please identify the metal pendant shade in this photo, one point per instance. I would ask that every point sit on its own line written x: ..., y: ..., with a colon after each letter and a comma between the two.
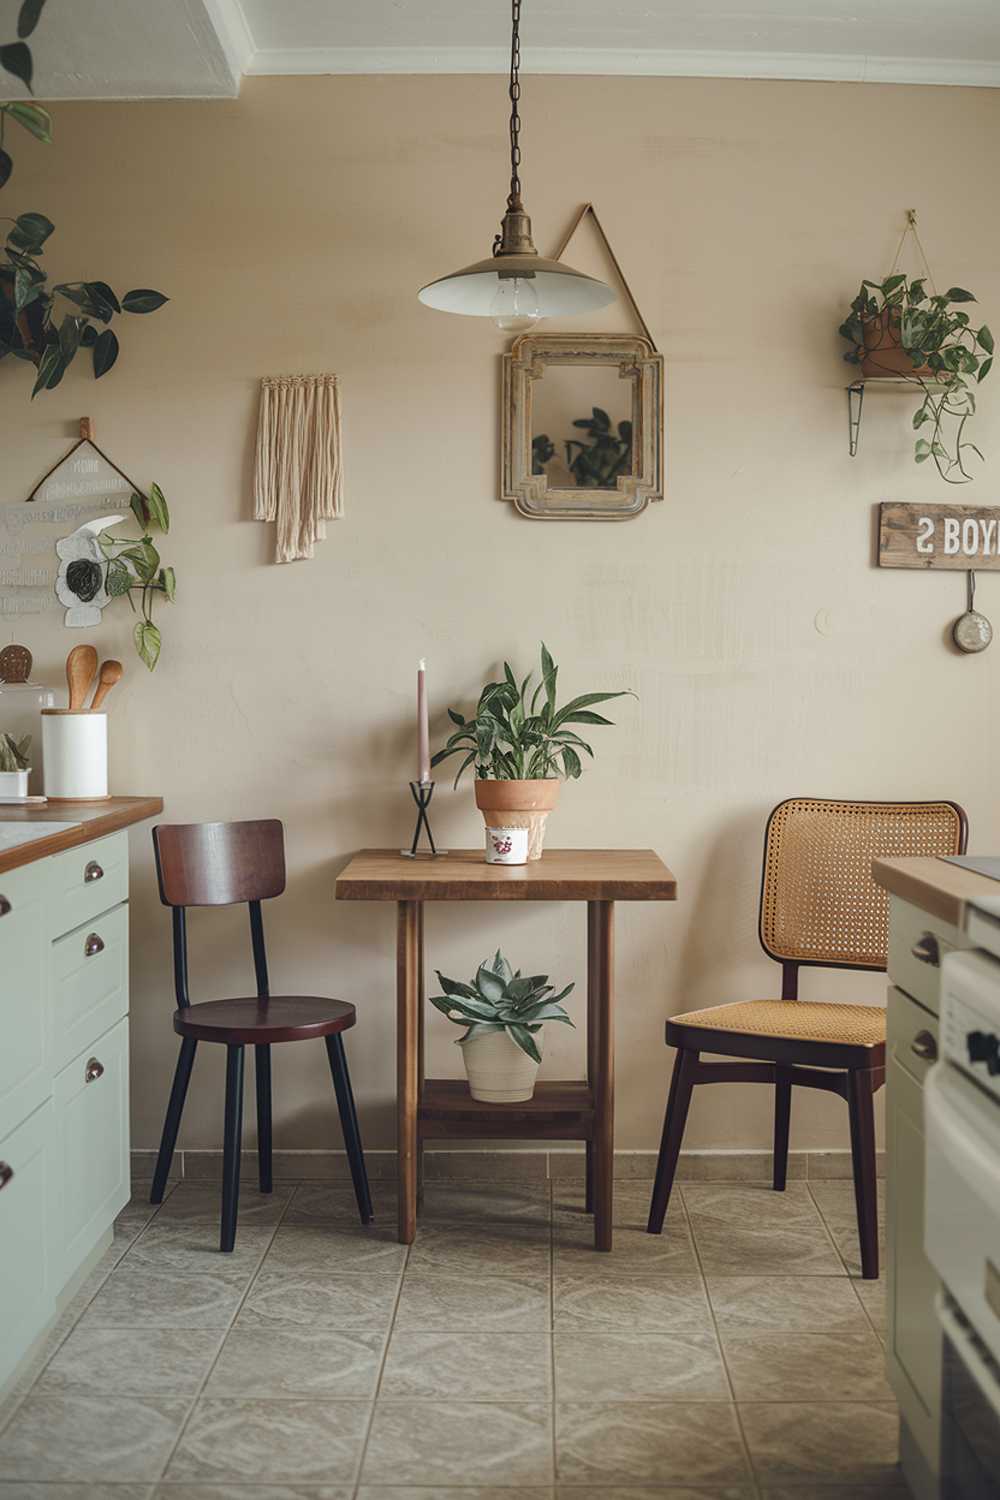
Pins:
x: 515, y: 285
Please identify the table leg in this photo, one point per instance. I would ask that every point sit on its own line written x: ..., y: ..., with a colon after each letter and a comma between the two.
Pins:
x: 421, y: 1007
x: 593, y: 1036
x: 601, y: 982
x: 407, y: 1075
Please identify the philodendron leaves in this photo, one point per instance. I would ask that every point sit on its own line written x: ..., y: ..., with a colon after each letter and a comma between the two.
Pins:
x: 501, y: 999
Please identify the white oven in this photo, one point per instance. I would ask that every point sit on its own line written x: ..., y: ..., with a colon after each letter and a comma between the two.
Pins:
x: 962, y: 1230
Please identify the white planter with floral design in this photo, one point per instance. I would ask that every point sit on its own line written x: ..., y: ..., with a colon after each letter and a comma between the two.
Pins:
x: 499, y: 1072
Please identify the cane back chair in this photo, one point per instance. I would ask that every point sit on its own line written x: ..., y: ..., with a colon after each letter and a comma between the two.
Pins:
x: 225, y: 864
x: 819, y: 908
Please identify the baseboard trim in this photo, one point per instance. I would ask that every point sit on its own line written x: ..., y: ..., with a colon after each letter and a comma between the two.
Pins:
x: 510, y: 1166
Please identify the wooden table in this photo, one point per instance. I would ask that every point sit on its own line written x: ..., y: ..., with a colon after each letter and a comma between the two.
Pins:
x: 564, y: 1110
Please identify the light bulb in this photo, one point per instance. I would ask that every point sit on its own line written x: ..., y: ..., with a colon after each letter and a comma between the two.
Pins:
x: 515, y: 304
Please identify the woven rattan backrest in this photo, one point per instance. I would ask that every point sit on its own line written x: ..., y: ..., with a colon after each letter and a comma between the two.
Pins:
x: 819, y: 903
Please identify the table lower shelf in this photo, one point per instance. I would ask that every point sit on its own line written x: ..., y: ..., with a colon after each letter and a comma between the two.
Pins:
x: 562, y: 1110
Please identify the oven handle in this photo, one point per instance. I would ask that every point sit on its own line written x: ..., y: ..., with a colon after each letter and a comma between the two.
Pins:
x: 984, y: 1375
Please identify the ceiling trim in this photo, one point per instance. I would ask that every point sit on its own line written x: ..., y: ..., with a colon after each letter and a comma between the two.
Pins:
x: 616, y: 62
x: 234, y: 34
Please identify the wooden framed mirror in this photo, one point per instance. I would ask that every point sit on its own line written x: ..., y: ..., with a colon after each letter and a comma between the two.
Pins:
x: 581, y: 426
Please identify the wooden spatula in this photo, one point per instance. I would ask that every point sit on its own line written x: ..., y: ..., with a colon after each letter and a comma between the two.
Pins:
x: 81, y: 668
x: 110, y: 673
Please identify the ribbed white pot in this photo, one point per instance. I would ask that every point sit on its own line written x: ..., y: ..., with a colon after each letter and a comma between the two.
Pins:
x: 499, y: 1072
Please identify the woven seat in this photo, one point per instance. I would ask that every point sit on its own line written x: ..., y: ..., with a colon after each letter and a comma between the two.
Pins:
x: 814, y: 1021
x: 819, y: 907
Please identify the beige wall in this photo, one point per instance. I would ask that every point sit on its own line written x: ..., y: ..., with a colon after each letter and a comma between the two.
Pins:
x: 292, y: 229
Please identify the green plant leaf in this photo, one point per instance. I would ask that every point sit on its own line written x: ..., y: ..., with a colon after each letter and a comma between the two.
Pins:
x: 147, y: 642
x: 158, y: 509
x: 168, y: 583
x: 958, y: 294
x: 105, y: 354
x: 25, y: 291
x: 456, y: 718
x: 143, y: 300
x: 15, y: 58
x: 30, y: 232
x: 27, y: 17
x: 481, y: 1028
x: 118, y: 580
x: 488, y: 984
x: 140, y: 509
x: 985, y: 339
x: 502, y: 968
x: 571, y: 763
x: 70, y: 331
x: 31, y: 117
x: 522, y: 1036
x: 48, y: 369
x: 455, y: 986
x: 6, y: 166
x: 984, y: 368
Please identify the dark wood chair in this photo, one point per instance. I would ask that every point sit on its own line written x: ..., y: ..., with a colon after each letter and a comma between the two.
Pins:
x: 222, y: 864
x: 819, y: 908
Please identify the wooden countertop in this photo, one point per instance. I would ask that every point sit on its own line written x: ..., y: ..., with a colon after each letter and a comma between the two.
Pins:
x: 90, y: 820
x: 934, y: 885
x: 464, y: 875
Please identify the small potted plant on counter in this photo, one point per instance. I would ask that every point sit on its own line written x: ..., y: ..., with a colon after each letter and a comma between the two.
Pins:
x: 899, y: 331
x: 503, y: 1013
x: 14, y: 765
x: 521, y: 742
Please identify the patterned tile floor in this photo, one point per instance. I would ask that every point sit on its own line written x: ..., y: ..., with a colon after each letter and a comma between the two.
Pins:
x: 735, y: 1358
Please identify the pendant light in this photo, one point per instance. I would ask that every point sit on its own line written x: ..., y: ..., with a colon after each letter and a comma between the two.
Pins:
x: 516, y: 286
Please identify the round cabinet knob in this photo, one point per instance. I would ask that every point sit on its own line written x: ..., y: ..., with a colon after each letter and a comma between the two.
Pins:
x: 5, y: 906
x: 93, y: 943
x: 92, y: 871
x: 6, y: 1173
x: 926, y: 950
x: 925, y: 1046
x: 93, y: 1070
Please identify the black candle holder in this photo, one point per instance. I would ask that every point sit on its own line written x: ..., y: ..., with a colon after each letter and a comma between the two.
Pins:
x: 422, y: 792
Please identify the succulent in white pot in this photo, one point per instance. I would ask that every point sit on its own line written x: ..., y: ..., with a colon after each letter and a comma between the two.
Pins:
x: 504, y: 1012
x: 14, y: 765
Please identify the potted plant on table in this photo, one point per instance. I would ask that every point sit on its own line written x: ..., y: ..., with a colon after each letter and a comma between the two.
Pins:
x: 897, y: 330
x: 503, y: 1013
x: 520, y: 742
x: 14, y: 765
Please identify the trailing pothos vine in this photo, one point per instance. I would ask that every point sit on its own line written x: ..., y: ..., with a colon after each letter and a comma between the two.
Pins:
x: 43, y: 324
x: 132, y: 567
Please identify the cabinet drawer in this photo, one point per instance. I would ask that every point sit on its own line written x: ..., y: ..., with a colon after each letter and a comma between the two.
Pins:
x: 87, y: 881
x: 89, y: 983
x: 917, y: 943
x: 912, y: 1034
x: 26, y: 1299
x: 91, y: 1124
x: 24, y: 1076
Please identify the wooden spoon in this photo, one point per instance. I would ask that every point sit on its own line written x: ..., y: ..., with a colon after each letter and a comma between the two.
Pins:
x: 81, y: 668
x: 110, y: 673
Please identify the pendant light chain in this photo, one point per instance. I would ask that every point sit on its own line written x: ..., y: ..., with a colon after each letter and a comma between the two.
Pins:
x: 514, y: 200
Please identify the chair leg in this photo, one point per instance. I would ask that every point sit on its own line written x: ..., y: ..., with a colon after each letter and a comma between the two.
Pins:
x: 782, y: 1120
x: 674, y: 1120
x: 171, y: 1124
x: 349, y: 1124
x: 861, y: 1107
x: 231, y: 1147
x: 262, y: 1077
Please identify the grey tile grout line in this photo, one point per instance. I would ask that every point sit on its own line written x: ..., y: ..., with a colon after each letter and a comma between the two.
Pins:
x: 852, y: 1279
x: 222, y: 1343
x: 363, y: 1454
x: 71, y: 1314
x: 744, y: 1444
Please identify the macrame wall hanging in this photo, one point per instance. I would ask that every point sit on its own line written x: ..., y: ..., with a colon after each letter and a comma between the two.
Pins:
x: 298, y: 473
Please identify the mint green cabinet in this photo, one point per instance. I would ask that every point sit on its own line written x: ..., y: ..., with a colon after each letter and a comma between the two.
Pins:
x: 25, y: 1079
x: 27, y: 1196
x: 90, y: 1096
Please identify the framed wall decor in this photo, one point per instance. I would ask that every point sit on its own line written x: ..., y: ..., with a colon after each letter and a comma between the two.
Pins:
x: 581, y: 426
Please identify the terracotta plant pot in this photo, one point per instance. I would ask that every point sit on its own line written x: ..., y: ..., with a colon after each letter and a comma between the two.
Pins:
x: 498, y: 1071
x: 884, y: 354
x: 519, y: 804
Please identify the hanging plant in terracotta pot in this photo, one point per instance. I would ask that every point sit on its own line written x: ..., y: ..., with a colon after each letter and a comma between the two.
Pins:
x: 521, y: 742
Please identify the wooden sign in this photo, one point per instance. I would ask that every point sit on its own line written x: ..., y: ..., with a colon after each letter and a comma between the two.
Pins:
x: 959, y: 537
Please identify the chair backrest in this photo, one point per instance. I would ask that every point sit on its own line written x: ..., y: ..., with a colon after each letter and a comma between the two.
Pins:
x: 219, y: 864
x: 819, y: 904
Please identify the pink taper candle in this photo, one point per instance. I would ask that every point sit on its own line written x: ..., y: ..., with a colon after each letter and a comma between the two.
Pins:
x: 423, y: 729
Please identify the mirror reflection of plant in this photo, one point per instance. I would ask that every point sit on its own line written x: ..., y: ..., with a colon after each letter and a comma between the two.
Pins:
x: 35, y: 324
x: 514, y: 738
x: 500, y: 999
x: 937, y: 337
x: 542, y: 450
x: 598, y: 464
x: 133, y: 567
x: 14, y: 753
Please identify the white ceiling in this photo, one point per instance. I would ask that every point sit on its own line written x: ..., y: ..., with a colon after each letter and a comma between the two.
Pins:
x: 178, y: 48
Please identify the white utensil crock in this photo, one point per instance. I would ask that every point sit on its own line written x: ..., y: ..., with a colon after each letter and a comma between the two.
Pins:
x: 499, y: 1072
x: 75, y: 755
